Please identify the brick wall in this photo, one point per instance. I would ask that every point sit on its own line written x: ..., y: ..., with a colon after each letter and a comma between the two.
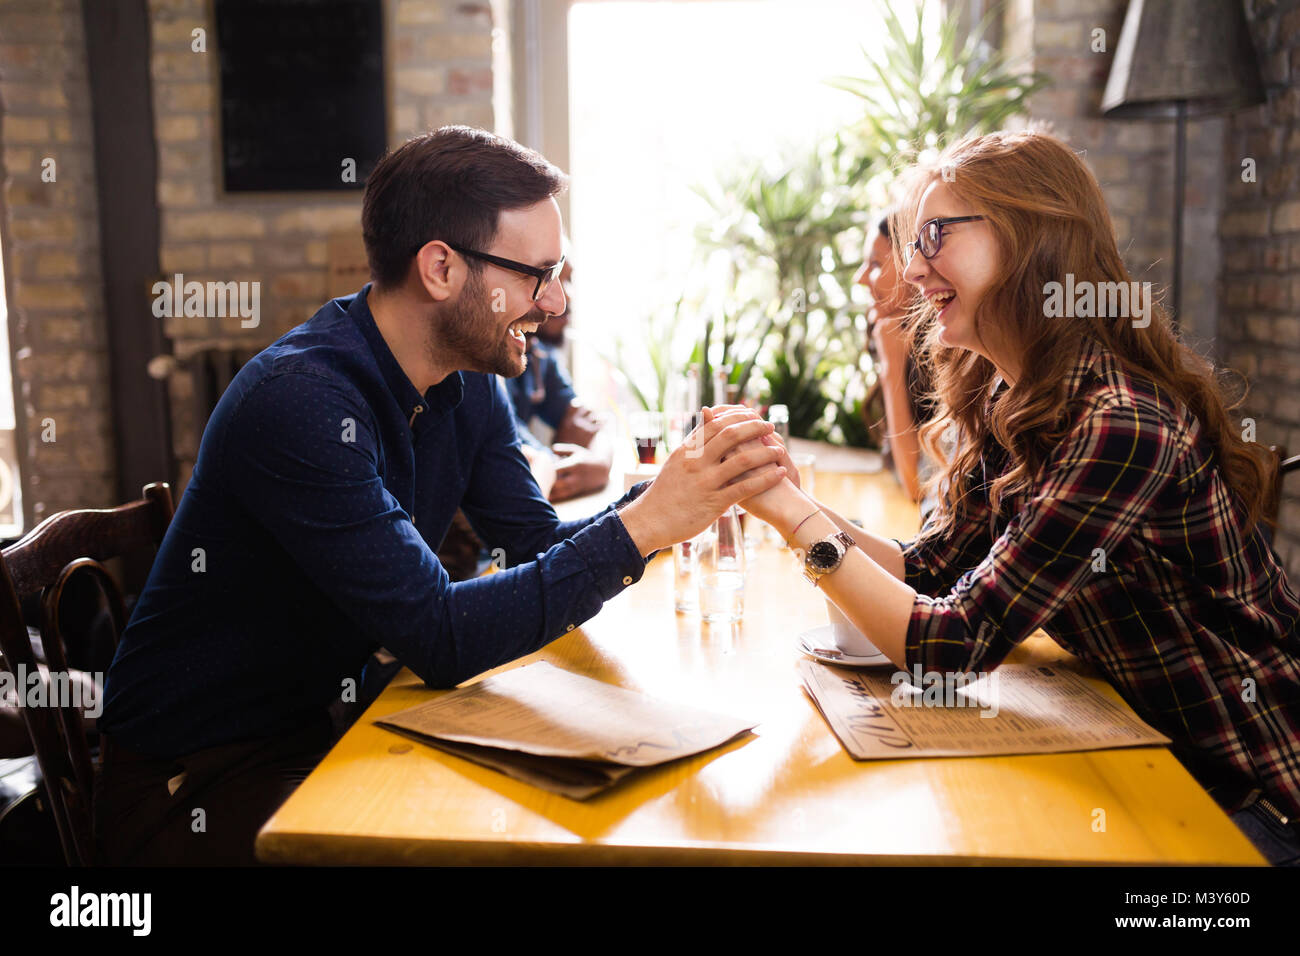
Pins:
x: 1260, y: 239
x: 50, y: 232
x: 439, y: 63
x: 1133, y: 160
x: 1241, y: 282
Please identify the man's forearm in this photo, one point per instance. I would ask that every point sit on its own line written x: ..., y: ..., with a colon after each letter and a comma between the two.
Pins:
x: 567, y: 529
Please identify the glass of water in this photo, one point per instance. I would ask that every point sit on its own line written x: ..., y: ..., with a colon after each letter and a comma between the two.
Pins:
x: 721, y: 570
x: 686, y: 587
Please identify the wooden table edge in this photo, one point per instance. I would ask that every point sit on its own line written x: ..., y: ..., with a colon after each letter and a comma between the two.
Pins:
x: 289, y: 848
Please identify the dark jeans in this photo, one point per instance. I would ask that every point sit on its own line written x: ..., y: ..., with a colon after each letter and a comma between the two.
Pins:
x: 1280, y: 844
x: 203, y: 808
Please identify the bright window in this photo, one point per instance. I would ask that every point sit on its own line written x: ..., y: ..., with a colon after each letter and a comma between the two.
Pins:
x: 664, y: 96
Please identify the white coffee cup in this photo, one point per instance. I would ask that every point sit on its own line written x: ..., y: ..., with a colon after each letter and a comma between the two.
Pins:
x: 848, y: 639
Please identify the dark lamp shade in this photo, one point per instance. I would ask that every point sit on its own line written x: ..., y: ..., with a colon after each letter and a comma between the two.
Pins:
x: 1196, y: 52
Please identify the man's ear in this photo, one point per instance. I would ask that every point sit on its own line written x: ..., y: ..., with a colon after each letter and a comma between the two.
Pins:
x: 438, y: 270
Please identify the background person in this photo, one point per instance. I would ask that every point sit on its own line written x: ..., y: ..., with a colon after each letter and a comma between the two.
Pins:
x: 576, y: 442
x: 905, y: 386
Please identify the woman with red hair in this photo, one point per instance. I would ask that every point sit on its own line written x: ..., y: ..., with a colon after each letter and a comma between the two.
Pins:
x: 1091, y: 483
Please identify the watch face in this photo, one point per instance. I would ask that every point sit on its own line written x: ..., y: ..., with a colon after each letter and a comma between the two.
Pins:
x: 822, y: 556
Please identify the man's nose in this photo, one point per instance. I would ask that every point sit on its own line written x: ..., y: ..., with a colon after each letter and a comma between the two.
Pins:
x: 553, y: 301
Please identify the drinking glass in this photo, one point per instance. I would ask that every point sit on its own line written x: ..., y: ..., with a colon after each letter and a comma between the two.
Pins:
x: 686, y: 585
x: 647, y: 429
x: 683, y: 409
x: 750, y: 531
x: 721, y: 570
x: 721, y: 378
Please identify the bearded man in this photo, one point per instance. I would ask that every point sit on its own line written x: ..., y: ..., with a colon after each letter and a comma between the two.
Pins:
x: 328, y: 474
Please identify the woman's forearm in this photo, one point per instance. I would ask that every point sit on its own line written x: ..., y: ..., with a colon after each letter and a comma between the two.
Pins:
x: 868, y: 586
x: 875, y: 599
x: 884, y: 551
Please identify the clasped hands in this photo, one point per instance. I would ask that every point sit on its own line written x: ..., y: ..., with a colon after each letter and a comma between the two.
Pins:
x: 731, y: 457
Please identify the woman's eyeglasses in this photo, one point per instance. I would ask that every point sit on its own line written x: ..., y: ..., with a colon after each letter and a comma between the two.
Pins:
x: 930, y: 238
x: 544, y: 277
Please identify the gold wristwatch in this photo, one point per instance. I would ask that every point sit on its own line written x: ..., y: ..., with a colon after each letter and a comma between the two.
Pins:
x: 825, y: 555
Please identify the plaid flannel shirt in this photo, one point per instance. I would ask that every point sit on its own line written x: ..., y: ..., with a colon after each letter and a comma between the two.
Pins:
x: 1129, y: 552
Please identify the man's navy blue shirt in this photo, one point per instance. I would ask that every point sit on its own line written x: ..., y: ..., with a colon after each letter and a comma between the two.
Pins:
x: 305, y: 540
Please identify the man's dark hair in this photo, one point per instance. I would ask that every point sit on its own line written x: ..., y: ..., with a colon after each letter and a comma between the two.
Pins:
x: 450, y: 184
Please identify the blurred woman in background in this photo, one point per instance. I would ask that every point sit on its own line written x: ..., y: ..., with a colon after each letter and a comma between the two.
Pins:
x: 903, y: 384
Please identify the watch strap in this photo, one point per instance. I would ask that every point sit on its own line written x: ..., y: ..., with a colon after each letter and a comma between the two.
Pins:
x: 841, y: 541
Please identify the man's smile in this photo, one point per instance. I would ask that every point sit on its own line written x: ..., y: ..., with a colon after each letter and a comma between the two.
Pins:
x: 518, y: 330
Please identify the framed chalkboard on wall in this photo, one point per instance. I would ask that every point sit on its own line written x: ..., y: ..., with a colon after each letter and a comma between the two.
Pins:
x: 302, y: 92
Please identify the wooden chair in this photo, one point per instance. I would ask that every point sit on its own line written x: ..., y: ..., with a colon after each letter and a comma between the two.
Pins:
x: 1285, y: 466
x: 34, y: 573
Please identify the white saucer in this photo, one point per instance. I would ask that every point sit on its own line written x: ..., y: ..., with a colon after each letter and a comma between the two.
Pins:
x: 819, y: 643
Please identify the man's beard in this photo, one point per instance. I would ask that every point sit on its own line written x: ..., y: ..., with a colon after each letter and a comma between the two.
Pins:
x: 472, y: 330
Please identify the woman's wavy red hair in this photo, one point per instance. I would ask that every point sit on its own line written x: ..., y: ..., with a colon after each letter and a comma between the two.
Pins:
x: 1048, y: 217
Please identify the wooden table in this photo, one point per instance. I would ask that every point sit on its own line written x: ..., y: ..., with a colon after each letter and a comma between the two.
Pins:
x: 787, y: 794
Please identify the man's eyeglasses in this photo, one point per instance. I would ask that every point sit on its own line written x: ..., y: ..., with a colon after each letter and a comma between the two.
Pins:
x: 930, y: 238
x: 544, y: 277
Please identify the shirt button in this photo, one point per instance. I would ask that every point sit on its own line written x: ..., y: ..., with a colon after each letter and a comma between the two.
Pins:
x: 628, y: 579
x: 569, y: 628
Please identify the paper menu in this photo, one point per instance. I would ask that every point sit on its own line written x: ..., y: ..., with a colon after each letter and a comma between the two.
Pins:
x: 562, y: 731
x: 1015, y: 709
x: 575, y: 779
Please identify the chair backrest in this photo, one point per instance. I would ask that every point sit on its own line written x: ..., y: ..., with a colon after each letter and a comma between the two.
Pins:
x: 1285, y: 465
x: 34, y: 573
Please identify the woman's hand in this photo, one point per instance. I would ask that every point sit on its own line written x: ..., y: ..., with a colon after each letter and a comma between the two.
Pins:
x: 890, y: 338
x: 781, y: 506
x: 774, y: 505
x: 770, y: 439
x: 703, y: 478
